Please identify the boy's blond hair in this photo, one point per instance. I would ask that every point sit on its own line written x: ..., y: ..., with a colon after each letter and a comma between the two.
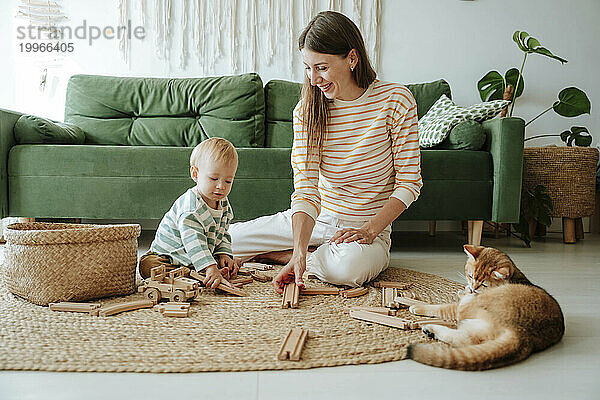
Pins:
x: 215, y: 149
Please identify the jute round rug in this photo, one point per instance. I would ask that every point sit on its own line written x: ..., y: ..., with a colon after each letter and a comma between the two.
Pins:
x: 223, y: 333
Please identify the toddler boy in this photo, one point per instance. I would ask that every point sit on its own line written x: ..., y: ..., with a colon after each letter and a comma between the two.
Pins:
x: 193, y: 232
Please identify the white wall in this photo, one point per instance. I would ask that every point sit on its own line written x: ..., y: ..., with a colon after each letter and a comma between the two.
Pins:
x: 421, y: 40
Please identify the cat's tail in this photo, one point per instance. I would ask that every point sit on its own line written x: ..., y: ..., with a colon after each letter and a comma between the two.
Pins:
x: 505, y: 349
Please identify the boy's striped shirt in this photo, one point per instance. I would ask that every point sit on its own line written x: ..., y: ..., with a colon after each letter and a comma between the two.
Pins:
x: 193, y: 233
x: 371, y: 152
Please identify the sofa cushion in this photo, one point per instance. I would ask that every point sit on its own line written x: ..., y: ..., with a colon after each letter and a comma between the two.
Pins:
x: 280, y: 99
x: 426, y: 94
x: 167, y: 112
x: 128, y: 182
x: 468, y: 135
x: 30, y: 129
x: 435, y: 126
x: 282, y: 96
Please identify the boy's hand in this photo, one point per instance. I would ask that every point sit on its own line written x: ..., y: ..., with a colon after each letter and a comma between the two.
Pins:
x: 227, y: 266
x: 214, y: 278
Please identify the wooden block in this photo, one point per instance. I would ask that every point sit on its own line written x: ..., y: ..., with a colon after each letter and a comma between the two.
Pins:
x: 359, y: 291
x: 422, y: 322
x: 378, y: 310
x: 386, y: 320
x: 130, y: 306
x: 173, y: 309
x: 223, y: 287
x: 390, y: 284
x: 321, y: 290
x: 261, y: 277
x: 405, y: 301
x: 292, y: 345
x: 75, y: 307
x: 291, y: 292
x: 232, y: 290
x: 241, y: 281
x: 258, y: 266
x: 388, y: 297
x: 244, y: 271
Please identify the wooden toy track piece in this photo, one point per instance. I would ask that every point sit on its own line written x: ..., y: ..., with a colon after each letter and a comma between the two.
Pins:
x: 241, y: 281
x: 422, y: 322
x: 359, y: 291
x: 243, y: 271
x: 378, y: 310
x: 258, y: 266
x: 130, y: 306
x: 406, y: 301
x: 173, y: 309
x: 261, y: 277
x: 390, y: 284
x: 90, y: 308
x: 388, y: 297
x: 291, y: 292
x: 223, y: 287
x: 292, y: 345
x: 386, y: 320
x: 321, y: 290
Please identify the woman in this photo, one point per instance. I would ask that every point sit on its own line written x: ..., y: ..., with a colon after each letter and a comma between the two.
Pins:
x: 356, y: 164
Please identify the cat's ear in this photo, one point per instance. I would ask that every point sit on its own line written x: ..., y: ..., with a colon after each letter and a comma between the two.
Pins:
x: 472, y: 251
x: 503, y: 272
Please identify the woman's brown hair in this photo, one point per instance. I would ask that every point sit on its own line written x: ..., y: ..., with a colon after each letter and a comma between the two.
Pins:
x: 329, y: 32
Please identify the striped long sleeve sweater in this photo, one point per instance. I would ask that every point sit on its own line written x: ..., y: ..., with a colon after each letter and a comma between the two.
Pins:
x: 370, y: 153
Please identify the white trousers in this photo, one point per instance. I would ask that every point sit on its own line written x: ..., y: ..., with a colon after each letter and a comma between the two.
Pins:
x: 349, y: 264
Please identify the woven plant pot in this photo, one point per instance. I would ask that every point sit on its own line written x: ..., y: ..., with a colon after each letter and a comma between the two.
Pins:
x: 51, y: 262
x: 569, y: 174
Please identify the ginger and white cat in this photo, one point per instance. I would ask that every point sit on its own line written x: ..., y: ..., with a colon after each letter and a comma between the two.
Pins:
x: 501, y: 318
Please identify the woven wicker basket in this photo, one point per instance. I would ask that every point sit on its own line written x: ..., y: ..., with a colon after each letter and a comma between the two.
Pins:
x: 50, y: 262
x: 569, y: 174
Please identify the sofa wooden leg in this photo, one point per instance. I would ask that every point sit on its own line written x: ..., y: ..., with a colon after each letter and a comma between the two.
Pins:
x: 475, y: 230
x: 578, y: 228
x: 470, y: 232
x: 431, y: 228
x: 568, y: 228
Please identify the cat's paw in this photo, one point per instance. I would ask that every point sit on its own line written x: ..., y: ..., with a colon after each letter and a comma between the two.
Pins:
x: 417, y: 310
x: 429, y: 332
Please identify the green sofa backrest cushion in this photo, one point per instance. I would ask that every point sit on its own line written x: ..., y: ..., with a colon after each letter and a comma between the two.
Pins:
x: 30, y: 129
x: 167, y: 112
x: 282, y: 96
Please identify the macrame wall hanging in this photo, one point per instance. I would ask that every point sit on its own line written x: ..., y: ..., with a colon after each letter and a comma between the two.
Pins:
x: 244, y: 34
x: 43, y: 49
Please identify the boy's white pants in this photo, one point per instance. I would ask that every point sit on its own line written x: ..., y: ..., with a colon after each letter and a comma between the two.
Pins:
x: 349, y: 264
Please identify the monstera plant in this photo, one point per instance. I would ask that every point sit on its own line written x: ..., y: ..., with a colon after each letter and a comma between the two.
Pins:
x: 572, y: 102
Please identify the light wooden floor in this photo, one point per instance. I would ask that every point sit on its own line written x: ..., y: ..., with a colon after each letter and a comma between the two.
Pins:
x: 569, y: 370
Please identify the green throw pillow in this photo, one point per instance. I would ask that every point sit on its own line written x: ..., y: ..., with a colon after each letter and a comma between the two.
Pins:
x: 436, y: 125
x: 468, y: 135
x: 30, y: 129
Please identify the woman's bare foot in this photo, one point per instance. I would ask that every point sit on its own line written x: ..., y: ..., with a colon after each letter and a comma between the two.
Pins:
x: 275, y: 257
x: 281, y: 257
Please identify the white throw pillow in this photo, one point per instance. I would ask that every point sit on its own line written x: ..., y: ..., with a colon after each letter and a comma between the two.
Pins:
x: 437, y: 123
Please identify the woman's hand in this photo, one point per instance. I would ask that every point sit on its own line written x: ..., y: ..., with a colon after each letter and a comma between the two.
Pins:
x: 291, y: 272
x: 363, y: 235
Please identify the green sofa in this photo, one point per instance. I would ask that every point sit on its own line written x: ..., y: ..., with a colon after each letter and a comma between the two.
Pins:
x: 139, y: 133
